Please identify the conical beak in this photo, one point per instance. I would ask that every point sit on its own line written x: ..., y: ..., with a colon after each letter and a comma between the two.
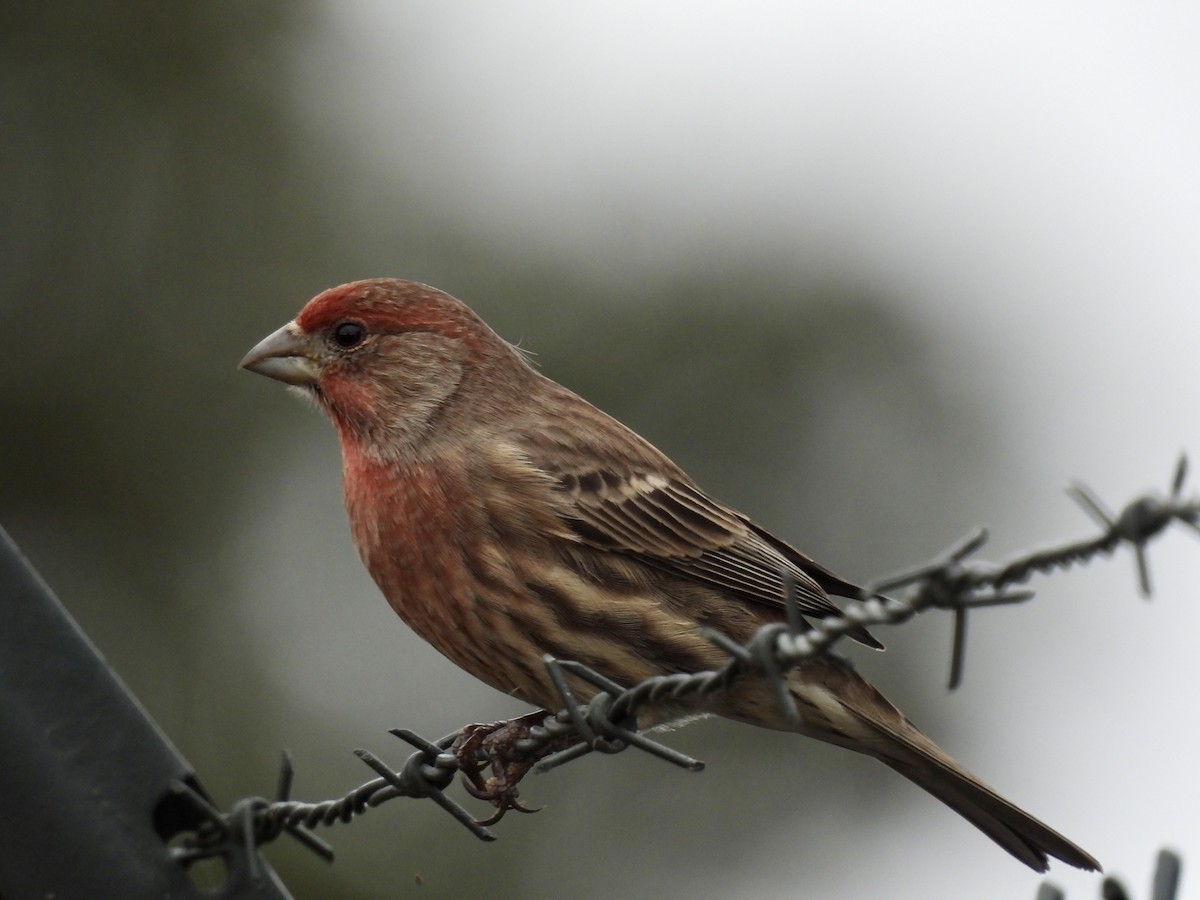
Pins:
x: 284, y: 356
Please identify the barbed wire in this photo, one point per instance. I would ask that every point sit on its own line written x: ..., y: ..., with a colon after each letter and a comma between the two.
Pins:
x: 606, y: 723
x: 1164, y: 883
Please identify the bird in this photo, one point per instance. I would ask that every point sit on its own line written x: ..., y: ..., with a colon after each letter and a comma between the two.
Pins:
x: 504, y: 518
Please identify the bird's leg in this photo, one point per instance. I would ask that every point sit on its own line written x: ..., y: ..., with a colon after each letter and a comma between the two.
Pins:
x: 493, y: 745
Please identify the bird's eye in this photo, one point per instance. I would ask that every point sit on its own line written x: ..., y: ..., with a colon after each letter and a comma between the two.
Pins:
x: 349, y: 335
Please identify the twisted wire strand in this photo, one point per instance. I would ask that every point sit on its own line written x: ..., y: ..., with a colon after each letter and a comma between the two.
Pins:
x: 606, y: 722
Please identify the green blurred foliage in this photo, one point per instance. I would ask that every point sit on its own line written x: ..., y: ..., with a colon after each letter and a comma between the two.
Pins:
x: 166, y: 204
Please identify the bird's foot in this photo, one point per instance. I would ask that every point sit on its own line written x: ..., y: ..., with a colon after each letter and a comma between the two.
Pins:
x: 491, y: 746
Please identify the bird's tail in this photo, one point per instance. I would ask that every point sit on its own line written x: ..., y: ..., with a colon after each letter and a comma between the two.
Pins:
x: 925, y: 764
x: 1026, y: 838
x: 839, y: 706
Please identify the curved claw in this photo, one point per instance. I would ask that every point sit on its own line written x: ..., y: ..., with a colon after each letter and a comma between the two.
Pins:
x: 501, y: 796
x: 502, y: 810
x: 504, y: 800
x: 492, y: 819
x: 476, y: 787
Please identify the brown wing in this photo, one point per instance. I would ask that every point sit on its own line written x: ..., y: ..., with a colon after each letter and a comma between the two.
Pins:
x: 670, y: 524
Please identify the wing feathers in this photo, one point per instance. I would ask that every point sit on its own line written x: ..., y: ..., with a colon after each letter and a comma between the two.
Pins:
x: 673, y: 526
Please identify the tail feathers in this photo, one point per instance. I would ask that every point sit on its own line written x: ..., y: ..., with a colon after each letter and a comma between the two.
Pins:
x: 1030, y: 841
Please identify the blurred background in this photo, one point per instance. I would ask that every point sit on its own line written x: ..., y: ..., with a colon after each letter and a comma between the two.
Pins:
x: 873, y: 273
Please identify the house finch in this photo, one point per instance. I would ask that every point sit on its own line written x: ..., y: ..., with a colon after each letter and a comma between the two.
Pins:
x: 503, y: 517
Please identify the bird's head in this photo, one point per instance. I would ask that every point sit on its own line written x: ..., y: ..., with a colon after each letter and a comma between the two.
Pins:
x: 386, y: 359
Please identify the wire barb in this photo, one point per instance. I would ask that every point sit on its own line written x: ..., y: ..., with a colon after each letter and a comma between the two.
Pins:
x: 1168, y: 869
x: 607, y: 721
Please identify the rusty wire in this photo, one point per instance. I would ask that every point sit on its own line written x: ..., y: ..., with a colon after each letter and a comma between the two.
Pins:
x: 605, y: 723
